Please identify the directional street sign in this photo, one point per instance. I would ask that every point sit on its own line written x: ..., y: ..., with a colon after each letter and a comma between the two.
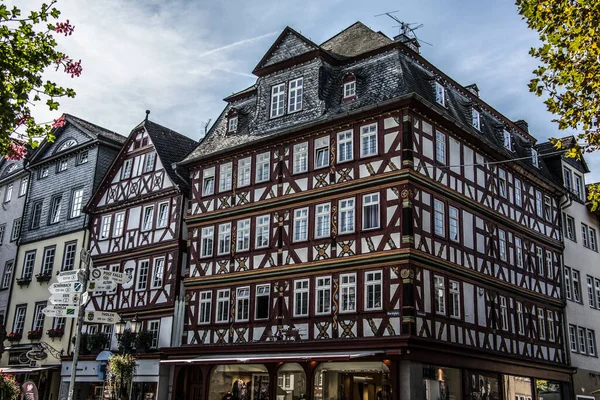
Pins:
x: 102, y: 274
x: 102, y: 317
x: 102, y: 286
x: 69, y: 287
x: 61, y: 311
x: 69, y: 298
x: 69, y: 276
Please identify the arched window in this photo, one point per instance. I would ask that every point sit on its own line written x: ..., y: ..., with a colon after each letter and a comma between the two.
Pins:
x: 66, y: 144
x: 239, y: 381
x: 349, y: 86
x: 352, y: 380
x: 291, y: 382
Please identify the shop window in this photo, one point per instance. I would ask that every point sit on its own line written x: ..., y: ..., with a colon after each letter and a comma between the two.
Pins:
x: 352, y: 380
x: 291, y: 382
x: 442, y: 383
x: 482, y: 385
x: 239, y: 381
x: 517, y: 387
x: 548, y: 389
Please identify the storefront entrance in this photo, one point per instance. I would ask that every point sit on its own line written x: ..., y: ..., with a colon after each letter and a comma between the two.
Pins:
x: 352, y: 381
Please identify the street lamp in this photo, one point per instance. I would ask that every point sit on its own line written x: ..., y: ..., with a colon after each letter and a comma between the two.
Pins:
x: 120, y: 327
x: 135, y: 325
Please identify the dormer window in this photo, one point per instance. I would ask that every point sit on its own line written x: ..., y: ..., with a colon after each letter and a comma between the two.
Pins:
x: 63, y: 165
x: 295, y: 95
x: 232, y: 125
x: 277, y: 100
x: 507, y: 140
x: 349, y: 87
x: 68, y: 143
x: 534, y: 158
x: 476, y: 121
x: 440, y: 94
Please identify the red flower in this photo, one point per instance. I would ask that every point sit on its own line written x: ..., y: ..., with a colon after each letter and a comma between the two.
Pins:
x: 59, y: 122
x: 73, y: 68
x: 64, y: 27
x: 16, y: 151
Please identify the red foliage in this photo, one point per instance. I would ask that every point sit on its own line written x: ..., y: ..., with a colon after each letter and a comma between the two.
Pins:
x: 59, y: 122
x: 16, y: 151
x: 64, y: 27
x: 73, y: 68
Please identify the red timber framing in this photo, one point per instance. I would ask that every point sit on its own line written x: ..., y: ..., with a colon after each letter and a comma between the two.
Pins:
x: 474, y: 300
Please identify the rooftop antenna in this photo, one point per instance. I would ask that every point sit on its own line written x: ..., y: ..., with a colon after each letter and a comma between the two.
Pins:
x: 405, y: 28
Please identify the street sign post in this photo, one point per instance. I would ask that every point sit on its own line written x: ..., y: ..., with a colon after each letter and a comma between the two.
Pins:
x: 98, y: 274
x: 69, y: 276
x: 69, y: 298
x: 102, y: 317
x: 68, y: 287
x: 61, y: 311
x: 102, y: 286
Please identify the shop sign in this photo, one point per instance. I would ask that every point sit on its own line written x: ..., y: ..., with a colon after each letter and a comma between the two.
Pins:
x: 393, y: 313
x: 30, y: 391
x: 18, y: 358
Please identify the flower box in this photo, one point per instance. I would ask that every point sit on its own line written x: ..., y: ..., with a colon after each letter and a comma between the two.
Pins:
x: 43, y: 277
x: 55, y: 333
x: 23, y: 281
x: 14, y: 336
x: 34, y: 335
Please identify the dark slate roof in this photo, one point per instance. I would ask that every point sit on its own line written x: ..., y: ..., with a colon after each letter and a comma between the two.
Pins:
x: 548, y: 151
x: 6, y: 164
x: 171, y: 147
x: 95, y: 130
x: 354, y: 40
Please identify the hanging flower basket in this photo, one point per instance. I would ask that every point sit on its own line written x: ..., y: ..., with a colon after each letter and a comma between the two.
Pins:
x: 14, y: 336
x: 55, y: 333
x: 35, y: 334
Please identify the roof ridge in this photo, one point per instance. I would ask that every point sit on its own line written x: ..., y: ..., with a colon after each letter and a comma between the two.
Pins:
x: 77, y: 119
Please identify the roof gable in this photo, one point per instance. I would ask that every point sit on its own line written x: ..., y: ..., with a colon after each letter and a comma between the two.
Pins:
x: 355, y: 40
x: 288, y: 45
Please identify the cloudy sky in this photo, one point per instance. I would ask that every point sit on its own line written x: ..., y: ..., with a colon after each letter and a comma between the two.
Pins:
x: 180, y: 58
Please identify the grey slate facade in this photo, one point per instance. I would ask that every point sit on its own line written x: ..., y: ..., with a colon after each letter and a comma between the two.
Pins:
x: 13, y: 178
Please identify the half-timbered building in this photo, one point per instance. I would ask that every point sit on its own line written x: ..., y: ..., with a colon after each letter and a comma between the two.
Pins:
x: 581, y: 268
x: 62, y: 175
x: 363, y: 226
x: 137, y: 227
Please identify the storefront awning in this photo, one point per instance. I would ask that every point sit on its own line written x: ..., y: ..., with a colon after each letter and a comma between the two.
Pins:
x: 26, y: 370
x: 266, y: 357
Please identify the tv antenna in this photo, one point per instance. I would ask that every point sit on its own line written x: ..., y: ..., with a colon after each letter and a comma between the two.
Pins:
x: 405, y: 28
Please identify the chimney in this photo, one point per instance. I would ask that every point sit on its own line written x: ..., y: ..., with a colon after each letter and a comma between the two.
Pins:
x: 473, y: 89
x: 412, y: 43
x: 523, y: 125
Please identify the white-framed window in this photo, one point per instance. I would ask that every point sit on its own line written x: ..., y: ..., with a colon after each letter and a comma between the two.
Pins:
x: 322, y: 152
x: 36, y: 214
x: 519, y: 252
x: 205, y: 305
x: 540, y: 261
x: 243, y: 173
x: 502, y: 182
x: 63, y: 164
x: 322, y: 216
x: 573, y: 338
x: 373, y: 290
x: 439, y: 217
x: 153, y: 328
x: 548, y: 208
x: 38, y: 316
x: 518, y: 193
x: 454, y: 290
x: 262, y: 231
x: 16, y: 229
x: 570, y: 228
x: 584, y: 235
x: 163, y: 215
x: 440, y: 94
x: 520, y: 318
x: 549, y: 265
x: 83, y: 157
x: 368, y: 140
x: 206, y: 241
x: 346, y: 211
x: 8, y: 271
x: 277, y: 100
x: 534, y: 158
x: 223, y: 299
x: 370, y: 211
x: 440, y: 147
x: 2, y: 232
x: 263, y: 167
x: 126, y: 171
x: 208, y: 181
x: 243, y: 235
x: 23, y: 187
x: 48, y: 260
x: 591, y: 342
x: 581, y: 335
x: 8, y: 193
x: 76, y: 203
x: 454, y: 227
x: 301, y: 296
x: 551, y: 326
x: 541, y: 323
x: 568, y: 291
x: 232, y: 124
x: 295, y: 95
x: 242, y: 309
x: 55, y: 209
x: 323, y: 295
x: 502, y: 244
x: 568, y: 178
x: 69, y: 256
x: 19, y: 320
x: 262, y: 302
x: 348, y: 292
x: 345, y: 144
x: 439, y: 295
x: 590, y: 290
x: 300, y: 157
x: 597, y: 287
x: 475, y: 119
x: 119, y: 223
x: 503, y: 313
x: 158, y: 273
x: 224, y: 238
x: 301, y: 224
x: 539, y: 208
x: 578, y: 187
x: 148, y: 218
x: 350, y: 89
x: 44, y: 172
x: 592, y: 238
x: 575, y: 281
x: 105, y: 226
x: 142, y: 276
x: 149, y: 164
x: 225, y: 171
x: 507, y: 140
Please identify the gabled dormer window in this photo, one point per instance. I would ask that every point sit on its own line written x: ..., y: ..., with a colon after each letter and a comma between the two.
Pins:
x: 507, y: 140
x: 349, y: 87
x: 277, y: 100
x: 476, y: 121
x: 295, y: 95
x: 534, y: 158
x: 232, y: 121
x: 440, y: 94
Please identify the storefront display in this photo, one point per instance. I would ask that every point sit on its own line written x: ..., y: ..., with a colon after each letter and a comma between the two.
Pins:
x: 442, y: 383
x: 352, y: 380
x: 517, y: 387
x: 239, y: 382
x: 482, y: 385
x: 291, y: 382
